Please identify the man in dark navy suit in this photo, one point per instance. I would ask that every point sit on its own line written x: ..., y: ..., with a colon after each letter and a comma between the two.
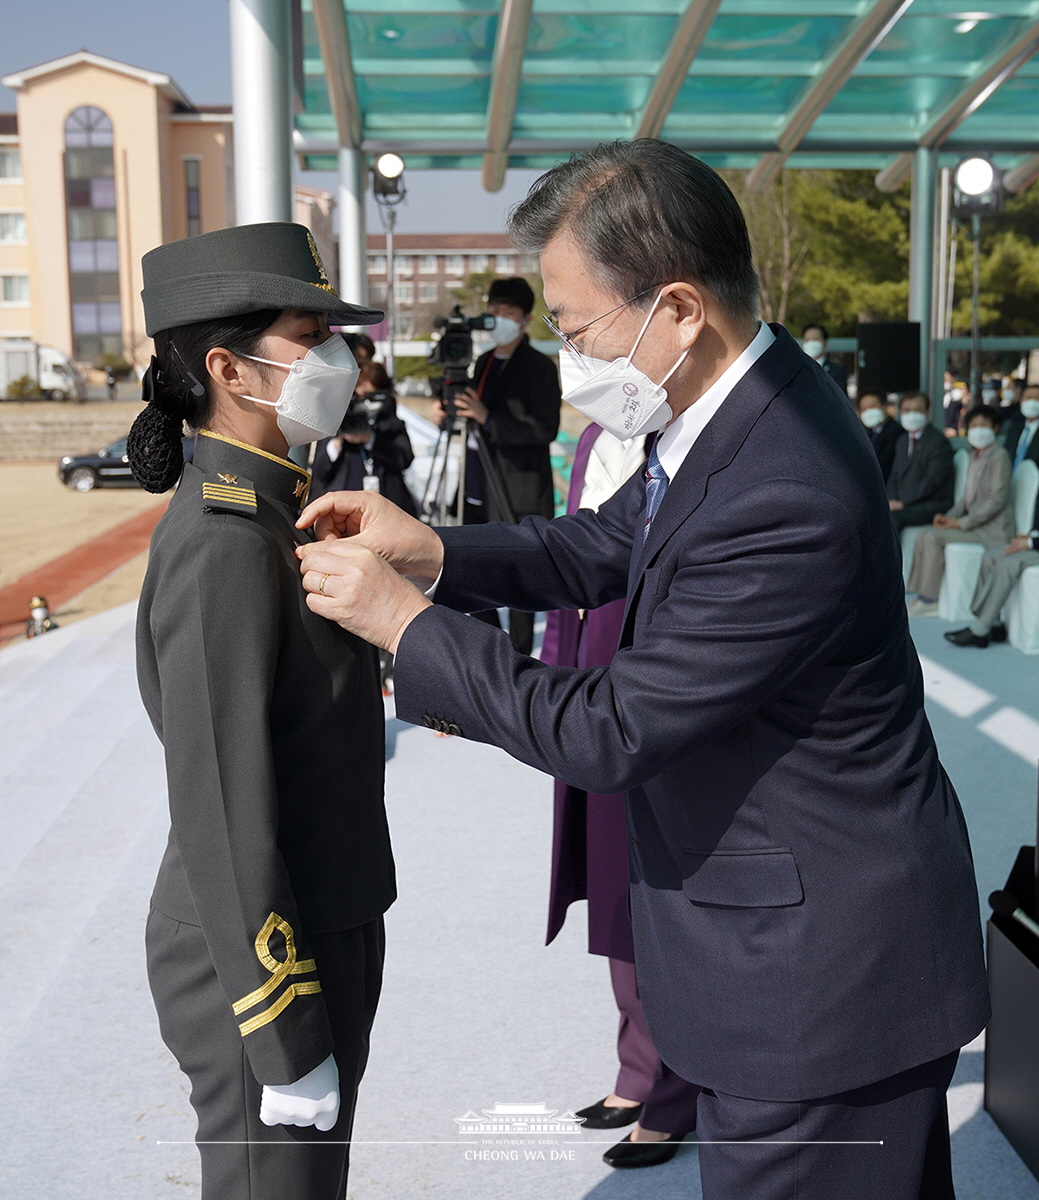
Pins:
x: 805, y: 918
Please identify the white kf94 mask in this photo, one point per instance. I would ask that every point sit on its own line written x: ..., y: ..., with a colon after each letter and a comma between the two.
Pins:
x: 617, y: 395
x: 315, y: 396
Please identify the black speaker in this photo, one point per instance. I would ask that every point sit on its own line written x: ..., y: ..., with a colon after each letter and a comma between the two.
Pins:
x: 889, y: 356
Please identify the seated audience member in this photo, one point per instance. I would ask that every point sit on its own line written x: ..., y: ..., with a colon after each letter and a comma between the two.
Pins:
x: 1001, y: 569
x: 814, y: 341
x: 384, y: 452
x: 983, y: 515
x: 883, y: 432
x: 1021, y: 429
x: 921, y: 482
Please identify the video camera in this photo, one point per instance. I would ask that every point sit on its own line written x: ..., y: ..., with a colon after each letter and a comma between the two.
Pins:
x: 454, y: 350
x: 363, y: 412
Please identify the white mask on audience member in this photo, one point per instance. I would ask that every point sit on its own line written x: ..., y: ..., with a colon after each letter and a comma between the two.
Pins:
x: 913, y: 422
x: 617, y: 395
x: 1030, y: 409
x: 980, y: 436
x: 872, y: 417
x: 813, y: 348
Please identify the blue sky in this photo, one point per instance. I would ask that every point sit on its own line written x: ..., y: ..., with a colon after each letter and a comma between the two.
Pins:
x: 189, y: 40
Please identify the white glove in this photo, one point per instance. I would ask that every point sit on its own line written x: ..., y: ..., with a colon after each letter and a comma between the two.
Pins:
x: 312, y: 1100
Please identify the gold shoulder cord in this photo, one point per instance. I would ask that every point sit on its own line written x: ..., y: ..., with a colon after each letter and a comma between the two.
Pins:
x: 280, y: 971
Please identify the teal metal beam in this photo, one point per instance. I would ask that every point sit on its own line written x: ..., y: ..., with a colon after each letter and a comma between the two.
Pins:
x: 334, y: 40
x: 510, y: 44
x: 688, y: 37
x: 867, y: 32
x: 991, y: 75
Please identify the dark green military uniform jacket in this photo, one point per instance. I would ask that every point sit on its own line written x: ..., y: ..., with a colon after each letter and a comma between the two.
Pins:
x: 272, y: 723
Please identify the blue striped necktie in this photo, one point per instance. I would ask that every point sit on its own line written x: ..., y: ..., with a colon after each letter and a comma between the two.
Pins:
x: 656, y: 486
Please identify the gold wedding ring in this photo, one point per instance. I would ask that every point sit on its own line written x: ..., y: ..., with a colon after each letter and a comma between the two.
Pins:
x: 321, y: 585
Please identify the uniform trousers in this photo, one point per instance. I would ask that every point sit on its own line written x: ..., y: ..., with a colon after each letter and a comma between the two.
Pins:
x: 669, y: 1101
x: 797, y: 1157
x: 256, y: 1161
x: 997, y: 578
x: 925, y: 575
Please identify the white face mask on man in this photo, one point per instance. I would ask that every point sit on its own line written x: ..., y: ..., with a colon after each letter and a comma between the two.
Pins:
x: 315, y: 396
x: 616, y: 394
x: 872, y: 417
x: 913, y: 422
x: 505, y: 330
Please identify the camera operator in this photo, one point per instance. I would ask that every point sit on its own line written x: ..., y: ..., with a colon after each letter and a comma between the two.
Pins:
x: 372, y: 446
x: 515, y: 401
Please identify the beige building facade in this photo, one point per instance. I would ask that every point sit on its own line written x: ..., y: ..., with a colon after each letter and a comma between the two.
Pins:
x: 102, y: 162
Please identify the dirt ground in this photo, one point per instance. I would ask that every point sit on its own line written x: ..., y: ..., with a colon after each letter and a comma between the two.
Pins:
x: 41, y: 519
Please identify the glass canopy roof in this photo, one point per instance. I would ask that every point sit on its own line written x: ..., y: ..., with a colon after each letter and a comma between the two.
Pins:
x: 825, y: 83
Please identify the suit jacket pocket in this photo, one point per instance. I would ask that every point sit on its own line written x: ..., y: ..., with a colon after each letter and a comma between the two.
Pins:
x: 741, y: 878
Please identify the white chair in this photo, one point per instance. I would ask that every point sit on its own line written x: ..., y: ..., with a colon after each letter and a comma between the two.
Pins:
x: 962, y: 560
x: 1022, y: 608
x: 960, y: 464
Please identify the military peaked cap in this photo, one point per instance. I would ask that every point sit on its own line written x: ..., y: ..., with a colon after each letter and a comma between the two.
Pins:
x: 240, y: 270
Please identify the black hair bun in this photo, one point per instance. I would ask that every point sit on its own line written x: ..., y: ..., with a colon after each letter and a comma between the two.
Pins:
x: 153, y: 445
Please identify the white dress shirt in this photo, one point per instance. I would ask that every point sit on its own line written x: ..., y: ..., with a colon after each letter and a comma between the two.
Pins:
x: 677, y: 439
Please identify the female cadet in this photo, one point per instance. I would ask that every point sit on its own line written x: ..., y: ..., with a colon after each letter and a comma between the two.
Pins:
x: 265, y: 938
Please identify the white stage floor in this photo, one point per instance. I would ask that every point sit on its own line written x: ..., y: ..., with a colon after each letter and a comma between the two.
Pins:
x: 475, y: 1009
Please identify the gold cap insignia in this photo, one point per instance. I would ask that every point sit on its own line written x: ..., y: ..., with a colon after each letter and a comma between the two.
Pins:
x: 228, y: 478
x: 320, y: 265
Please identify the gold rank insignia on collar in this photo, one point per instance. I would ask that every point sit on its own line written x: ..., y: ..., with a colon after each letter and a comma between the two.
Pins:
x: 229, y: 494
x: 300, y: 488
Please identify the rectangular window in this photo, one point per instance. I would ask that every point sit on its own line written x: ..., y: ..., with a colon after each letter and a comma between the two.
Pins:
x: 85, y: 224
x: 427, y: 264
x: 376, y: 264
x: 427, y: 293
x: 12, y: 227
x: 405, y: 293
x: 10, y: 164
x: 191, y: 173
x: 377, y: 293
x: 15, y: 289
x: 505, y: 264
x: 405, y: 264
x: 102, y: 193
x: 477, y: 263
x: 453, y: 264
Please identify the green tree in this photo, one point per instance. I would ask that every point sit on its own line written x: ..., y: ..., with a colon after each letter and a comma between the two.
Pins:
x: 828, y: 247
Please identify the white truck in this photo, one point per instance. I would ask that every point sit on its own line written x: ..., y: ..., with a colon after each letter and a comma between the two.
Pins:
x: 55, y: 373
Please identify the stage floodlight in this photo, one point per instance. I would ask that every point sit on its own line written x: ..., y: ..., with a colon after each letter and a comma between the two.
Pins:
x: 978, y: 187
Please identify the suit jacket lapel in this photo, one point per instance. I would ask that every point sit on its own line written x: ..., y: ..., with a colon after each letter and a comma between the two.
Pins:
x: 714, y: 449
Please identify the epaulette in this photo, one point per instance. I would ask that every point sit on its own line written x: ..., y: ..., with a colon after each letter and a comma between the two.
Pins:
x: 228, y: 493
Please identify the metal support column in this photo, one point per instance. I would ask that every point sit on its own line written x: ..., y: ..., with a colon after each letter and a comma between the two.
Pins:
x: 921, y: 258
x: 353, y: 237
x: 261, y: 62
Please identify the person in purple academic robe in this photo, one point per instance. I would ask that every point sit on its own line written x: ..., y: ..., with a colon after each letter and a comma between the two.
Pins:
x: 590, y: 858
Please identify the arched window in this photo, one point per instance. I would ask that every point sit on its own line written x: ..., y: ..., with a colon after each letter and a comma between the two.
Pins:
x: 92, y: 238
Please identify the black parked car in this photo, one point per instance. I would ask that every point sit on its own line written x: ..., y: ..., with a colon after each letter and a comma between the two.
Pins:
x: 109, y: 467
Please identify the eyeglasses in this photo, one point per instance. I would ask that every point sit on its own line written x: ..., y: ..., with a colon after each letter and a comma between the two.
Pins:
x: 568, y: 338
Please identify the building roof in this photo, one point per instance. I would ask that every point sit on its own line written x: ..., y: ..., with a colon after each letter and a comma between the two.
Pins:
x: 756, y: 84
x: 156, y: 79
x: 465, y: 243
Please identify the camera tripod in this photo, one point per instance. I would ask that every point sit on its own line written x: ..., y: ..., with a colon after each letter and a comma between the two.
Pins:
x: 435, y: 500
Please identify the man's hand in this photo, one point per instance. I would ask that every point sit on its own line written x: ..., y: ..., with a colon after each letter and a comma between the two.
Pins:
x: 410, y: 547
x: 1018, y: 544
x: 312, y: 1100
x: 352, y: 585
x: 895, y: 505
x: 468, y: 404
x: 943, y: 522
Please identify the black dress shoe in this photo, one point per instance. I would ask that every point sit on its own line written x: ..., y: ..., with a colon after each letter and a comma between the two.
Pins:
x: 998, y: 633
x: 964, y: 637
x: 628, y: 1154
x: 601, y: 1116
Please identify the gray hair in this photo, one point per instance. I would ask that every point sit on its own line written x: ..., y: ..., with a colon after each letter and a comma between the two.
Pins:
x: 645, y: 213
